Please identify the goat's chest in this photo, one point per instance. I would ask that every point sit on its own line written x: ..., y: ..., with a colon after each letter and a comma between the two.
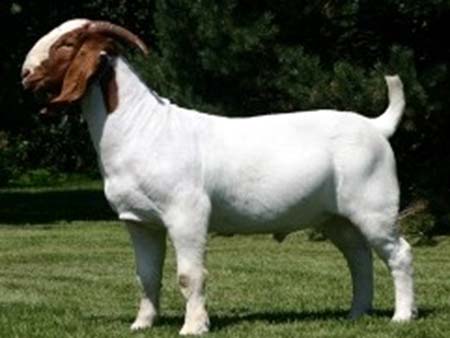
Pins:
x: 140, y: 188
x: 131, y: 201
x: 131, y: 183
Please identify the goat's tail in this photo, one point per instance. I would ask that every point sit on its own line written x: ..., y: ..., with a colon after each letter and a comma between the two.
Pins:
x: 387, y: 123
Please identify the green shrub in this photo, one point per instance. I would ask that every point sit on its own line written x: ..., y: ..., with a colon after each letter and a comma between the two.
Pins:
x: 8, y: 167
x: 420, y: 227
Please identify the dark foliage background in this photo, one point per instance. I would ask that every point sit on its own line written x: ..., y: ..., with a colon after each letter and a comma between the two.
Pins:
x: 242, y: 58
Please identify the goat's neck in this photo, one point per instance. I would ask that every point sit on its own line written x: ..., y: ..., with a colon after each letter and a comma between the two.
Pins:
x: 137, y: 107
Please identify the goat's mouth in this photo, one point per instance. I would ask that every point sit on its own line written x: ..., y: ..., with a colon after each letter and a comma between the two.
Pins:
x: 43, y: 97
x: 42, y: 94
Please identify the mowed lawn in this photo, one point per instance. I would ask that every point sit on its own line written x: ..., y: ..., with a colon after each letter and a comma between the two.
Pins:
x: 67, y: 270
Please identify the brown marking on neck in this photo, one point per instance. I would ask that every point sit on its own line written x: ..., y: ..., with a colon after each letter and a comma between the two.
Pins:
x: 108, y: 85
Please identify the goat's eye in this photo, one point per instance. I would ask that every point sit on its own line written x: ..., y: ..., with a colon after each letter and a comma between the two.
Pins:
x: 67, y: 45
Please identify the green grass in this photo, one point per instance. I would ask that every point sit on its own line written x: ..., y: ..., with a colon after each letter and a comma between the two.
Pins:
x: 70, y: 273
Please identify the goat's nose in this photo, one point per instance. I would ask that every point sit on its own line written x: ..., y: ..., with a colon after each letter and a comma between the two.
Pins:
x: 25, y: 74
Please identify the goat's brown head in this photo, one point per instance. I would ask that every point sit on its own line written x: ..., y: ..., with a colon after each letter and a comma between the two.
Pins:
x: 61, y: 65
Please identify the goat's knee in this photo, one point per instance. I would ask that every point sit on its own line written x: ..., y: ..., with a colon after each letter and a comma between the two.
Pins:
x: 192, y: 284
x: 187, y: 284
x: 192, y: 287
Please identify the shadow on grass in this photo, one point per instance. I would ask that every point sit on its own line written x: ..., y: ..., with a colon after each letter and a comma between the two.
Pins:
x: 33, y: 207
x: 219, y: 322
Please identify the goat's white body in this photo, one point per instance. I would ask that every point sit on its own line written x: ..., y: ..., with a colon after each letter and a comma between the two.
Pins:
x: 275, y: 173
x: 169, y: 168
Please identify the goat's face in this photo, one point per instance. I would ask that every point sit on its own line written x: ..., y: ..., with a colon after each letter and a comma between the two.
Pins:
x: 60, y: 66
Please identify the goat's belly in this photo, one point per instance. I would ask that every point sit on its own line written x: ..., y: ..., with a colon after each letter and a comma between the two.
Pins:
x: 247, y: 220
x: 277, y: 197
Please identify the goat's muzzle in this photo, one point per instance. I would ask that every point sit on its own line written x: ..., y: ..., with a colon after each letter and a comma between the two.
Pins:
x: 41, y: 94
x: 29, y: 82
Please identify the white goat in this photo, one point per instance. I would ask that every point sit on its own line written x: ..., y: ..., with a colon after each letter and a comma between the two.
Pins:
x: 177, y: 171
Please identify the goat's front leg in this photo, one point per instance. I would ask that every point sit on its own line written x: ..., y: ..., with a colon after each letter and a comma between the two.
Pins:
x: 149, y: 248
x: 188, y: 232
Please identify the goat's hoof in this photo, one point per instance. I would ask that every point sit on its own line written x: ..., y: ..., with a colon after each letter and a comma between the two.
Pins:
x: 401, y: 319
x: 358, y: 313
x: 140, y: 324
x: 195, y: 328
x: 404, y: 316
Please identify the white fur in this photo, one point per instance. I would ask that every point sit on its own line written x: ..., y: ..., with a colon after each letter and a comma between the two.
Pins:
x: 168, y: 168
x: 171, y: 170
x: 387, y: 123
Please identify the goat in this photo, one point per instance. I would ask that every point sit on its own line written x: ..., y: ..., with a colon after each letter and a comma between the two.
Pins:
x: 170, y: 170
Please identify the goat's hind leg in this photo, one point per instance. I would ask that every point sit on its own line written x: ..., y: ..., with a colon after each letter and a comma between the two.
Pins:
x: 399, y: 261
x: 394, y: 250
x: 396, y: 253
x: 358, y: 255
x: 149, y: 248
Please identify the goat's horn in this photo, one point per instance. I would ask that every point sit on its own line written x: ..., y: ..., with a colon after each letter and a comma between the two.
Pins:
x: 109, y: 28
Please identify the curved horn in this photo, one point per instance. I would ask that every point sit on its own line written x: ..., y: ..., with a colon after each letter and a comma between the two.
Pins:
x: 105, y: 27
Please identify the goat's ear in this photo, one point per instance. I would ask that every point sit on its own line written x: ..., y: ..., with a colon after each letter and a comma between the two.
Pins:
x: 77, y: 77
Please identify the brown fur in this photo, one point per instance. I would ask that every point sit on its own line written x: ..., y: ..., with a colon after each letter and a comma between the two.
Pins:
x: 74, y: 60
x: 49, y: 75
x: 82, y: 69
